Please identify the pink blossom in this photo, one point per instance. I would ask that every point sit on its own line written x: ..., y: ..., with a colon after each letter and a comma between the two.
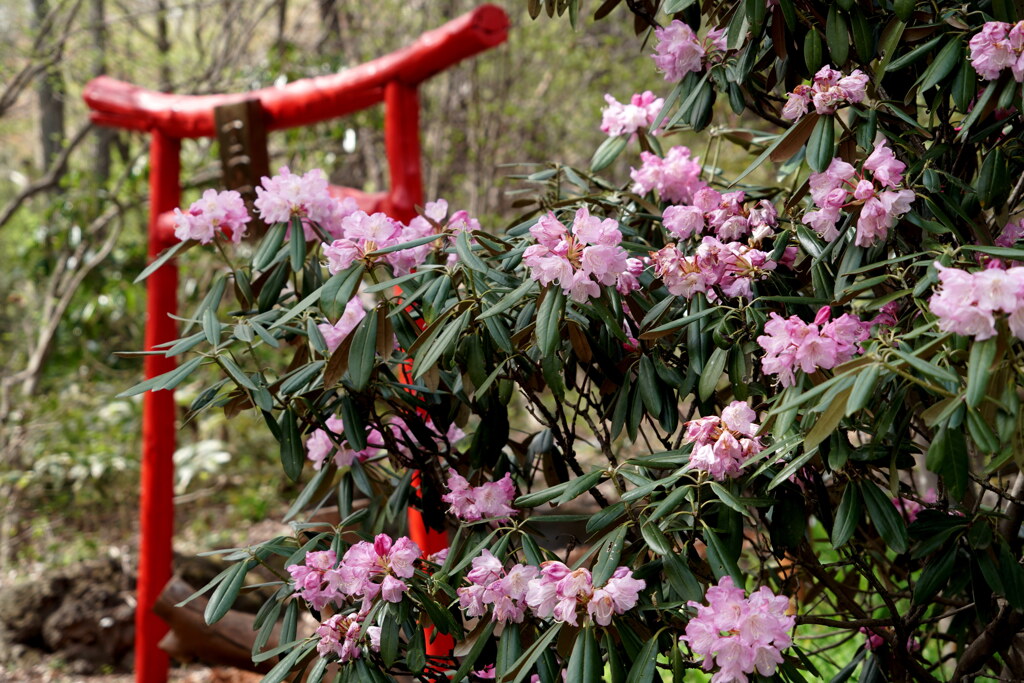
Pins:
x: 967, y: 303
x: 335, y: 334
x: 491, y: 585
x: 287, y: 195
x: 213, y: 212
x: 371, y: 569
x: 676, y: 177
x: 739, y: 634
x: 319, y: 445
x: 312, y: 580
x: 473, y: 503
x: 828, y: 91
x: 339, y: 635
x: 791, y: 343
x: 627, y: 119
x: 406, y: 440
x: 999, y: 45
x: 677, y: 51
x: 1012, y: 232
x: 884, y: 166
x: 560, y: 592
x: 722, y: 445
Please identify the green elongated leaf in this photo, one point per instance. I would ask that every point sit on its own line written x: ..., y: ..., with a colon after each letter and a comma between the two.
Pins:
x: 729, y: 499
x: 863, y: 389
x: 444, y: 341
x: 297, y: 245
x: 934, y: 576
x: 211, y: 327
x: 316, y: 674
x: 948, y: 457
x: 914, y: 55
x: 673, y: 6
x: 266, y: 628
x: 165, y: 256
x: 609, y: 150
x: 302, y: 500
x: 168, y: 380
x: 524, y: 664
x: 1012, y: 575
x: 927, y: 368
x: 829, y: 420
x: 863, y: 35
x: 943, y: 64
x: 418, y: 242
x: 269, y: 247
x: 837, y: 35
x: 240, y: 377
x: 649, y: 390
x: 389, y: 639
x: 549, y: 321
x: 979, y: 368
x: 847, y: 516
x: 585, y: 661
x: 337, y: 291
x: 813, y: 50
x: 656, y: 539
x: 821, y: 144
x: 791, y: 468
x: 885, y: 517
x: 290, y: 623
x: 711, y: 373
x: 577, y: 486
x: 283, y: 669
x: 681, y: 578
x: 508, y: 301
x: 978, y: 110
x: 224, y: 597
x: 965, y: 86
x: 362, y: 353
x: 691, y: 98
x: 661, y: 330
x: 469, y: 661
x: 466, y: 254
x: 644, y: 663
x: 792, y: 139
x: 304, y: 375
x: 608, y: 558
x: 904, y: 8
x: 721, y: 561
x: 298, y: 308
x: 292, y: 453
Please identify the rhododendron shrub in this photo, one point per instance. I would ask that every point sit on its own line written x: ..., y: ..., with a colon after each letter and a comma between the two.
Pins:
x: 750, y: 407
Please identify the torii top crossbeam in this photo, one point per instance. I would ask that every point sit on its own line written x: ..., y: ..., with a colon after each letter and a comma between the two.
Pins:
x: 169, y: 118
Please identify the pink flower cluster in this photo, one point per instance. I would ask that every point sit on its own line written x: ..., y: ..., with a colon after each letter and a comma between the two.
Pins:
x: 999, y: 45
x: 627, y: 119
x: 722, y: 444
x: 367, y: 570
x: 678, y: 51
x: 340, y: 635
x: 739, y: 634
x: 215, y: 211
x: 335, y: 334
x: 319, y: 445
x: 676, y: 177
x: 723, y: 214
x: 967, y: 303
x: 288, y: 195
x: 790, y: 343
x: 361, y: 234
x: 491, y: 585
x: 583, y: 260
x: 841, y: 187
x: 732, y: 267
x: 473, y: 503
x: 1012, y: 233
x: 560, y: 592
x: 829, y: 90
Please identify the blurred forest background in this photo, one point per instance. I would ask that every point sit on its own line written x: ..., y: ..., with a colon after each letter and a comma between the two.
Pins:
x: 73, y: 220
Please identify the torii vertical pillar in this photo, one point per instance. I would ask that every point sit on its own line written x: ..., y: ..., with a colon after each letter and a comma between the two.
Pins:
x: 156, y: 501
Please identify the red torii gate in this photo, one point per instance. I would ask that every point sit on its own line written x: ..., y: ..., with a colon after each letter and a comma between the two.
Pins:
x: 392, y: 79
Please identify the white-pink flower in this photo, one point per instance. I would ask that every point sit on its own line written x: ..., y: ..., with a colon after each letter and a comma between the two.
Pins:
x: 335, y: 334
x: 212, y: 213
x: 998, y: 46
x: 792, y: 344
x: 473, y: 503
x: 722, y: 444
x: 560, y: 592
x: 678, y: 51
x: 626, y: 119
x: 320, y: 445
x: 288, y: 195
x: 312, y: 578
x: 737, y: 634
x: 828, y: 91
x: 676, y: 177
x: 967, y: 303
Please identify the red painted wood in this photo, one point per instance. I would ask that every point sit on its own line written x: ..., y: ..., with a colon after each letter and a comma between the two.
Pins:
x: 156, y: 502
x: 120, y: 104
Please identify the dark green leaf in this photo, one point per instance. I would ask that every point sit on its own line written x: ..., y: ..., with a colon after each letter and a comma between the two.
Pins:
x: 292, y: 453
x: 847, y: 516
x: 886, y: 518
x: 362, y: 353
